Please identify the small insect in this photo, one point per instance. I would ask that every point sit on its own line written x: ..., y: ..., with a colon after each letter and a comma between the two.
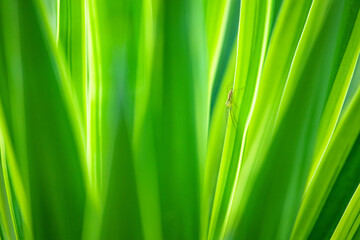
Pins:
x: 229, y: 102
x: 229, y: 105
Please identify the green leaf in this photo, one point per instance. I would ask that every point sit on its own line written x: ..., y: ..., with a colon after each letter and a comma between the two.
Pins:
x: 340, y: 87
x: 214, y: 150
x: 339, y: 196
x: 277, y: 173
x: 322, y: 180
x: 350, y: 221
x: 252, y: 45
x: 54, y: 160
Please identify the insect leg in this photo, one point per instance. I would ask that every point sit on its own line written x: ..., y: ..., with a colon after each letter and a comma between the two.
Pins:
x: 226, y: 113
x: 235, y: 105
x: 233, y: 119
x: 238, y: 89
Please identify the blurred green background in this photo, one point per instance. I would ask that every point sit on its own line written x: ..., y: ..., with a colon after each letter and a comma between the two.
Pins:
x: 113, y: 123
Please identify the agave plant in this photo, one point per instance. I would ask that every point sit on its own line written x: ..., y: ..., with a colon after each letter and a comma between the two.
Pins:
x: 189, y: 119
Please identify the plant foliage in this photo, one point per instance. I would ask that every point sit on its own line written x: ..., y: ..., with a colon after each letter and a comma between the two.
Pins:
x: 113, y: 123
